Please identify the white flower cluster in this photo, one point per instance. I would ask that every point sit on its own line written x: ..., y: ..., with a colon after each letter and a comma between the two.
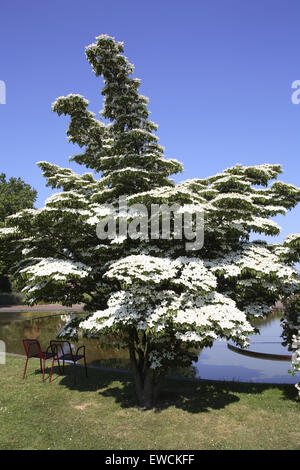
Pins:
x: 143, y: 268
x: 293, y: 237
x: 195, y: 276
x: 158, y: 357
x: 252, y: 256
x: 296, y: 356
x: 189, y: 273
x: 296, y: 353
x: 196, y: 318
x: 58, y: 269
x: 8, y: 231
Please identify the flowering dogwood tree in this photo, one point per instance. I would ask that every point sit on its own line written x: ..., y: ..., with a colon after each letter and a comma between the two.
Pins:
x: 291, y: 314
x: 149, y: 292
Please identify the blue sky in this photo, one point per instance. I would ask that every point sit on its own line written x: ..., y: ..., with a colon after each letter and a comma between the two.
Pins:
x: 218, y: 74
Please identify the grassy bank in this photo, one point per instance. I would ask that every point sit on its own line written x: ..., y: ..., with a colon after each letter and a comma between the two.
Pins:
x: 100, y: 413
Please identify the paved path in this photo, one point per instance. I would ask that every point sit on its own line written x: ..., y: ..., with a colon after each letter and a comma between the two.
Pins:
x: 39, y: 308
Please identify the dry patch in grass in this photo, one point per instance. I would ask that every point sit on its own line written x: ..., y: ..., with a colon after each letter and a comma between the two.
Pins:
x: 82, y: 407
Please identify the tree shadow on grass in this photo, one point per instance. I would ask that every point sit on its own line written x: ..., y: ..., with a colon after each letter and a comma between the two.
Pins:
x: 203, y: 396
x: 193, y: 396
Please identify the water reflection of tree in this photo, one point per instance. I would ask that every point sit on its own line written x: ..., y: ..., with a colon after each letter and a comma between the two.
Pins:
x: 43, y: 329
x: 274, y: 316
x: 100, y: 353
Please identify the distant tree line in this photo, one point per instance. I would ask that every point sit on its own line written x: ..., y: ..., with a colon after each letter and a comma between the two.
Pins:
x: 15, y: 195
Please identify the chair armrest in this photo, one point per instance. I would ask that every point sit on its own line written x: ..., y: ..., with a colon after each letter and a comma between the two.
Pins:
x: 80, y: 348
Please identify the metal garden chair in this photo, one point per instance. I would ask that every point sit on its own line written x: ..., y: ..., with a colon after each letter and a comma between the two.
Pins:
x: 63, y: 351
x: 33, y: 349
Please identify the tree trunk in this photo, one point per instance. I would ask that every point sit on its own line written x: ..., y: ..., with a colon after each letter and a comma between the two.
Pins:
x: 148, y: 387
x: 147, y: 382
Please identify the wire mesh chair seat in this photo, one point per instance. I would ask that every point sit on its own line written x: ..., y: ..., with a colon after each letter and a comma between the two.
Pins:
x: 33, y: 349
x: 63, y: 351
x: 72, y: 357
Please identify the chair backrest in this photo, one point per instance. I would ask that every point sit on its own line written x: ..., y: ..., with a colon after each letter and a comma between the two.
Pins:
x: 32, y: 347
x: 60, y: 347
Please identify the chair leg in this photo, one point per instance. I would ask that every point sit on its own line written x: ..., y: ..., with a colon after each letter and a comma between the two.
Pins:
x: 25, y: 369
x: 41, y: 365
x: 44, y: 361
x: 59, y: 366
x: 51, y: 370
x: 86, y: 374
x: 74, y: 372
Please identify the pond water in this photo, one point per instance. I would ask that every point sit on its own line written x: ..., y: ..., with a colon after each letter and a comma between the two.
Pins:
x: 216, y: 363
x: 221, y: 363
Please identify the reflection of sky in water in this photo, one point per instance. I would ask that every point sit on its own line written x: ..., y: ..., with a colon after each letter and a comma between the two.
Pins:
x: 220, y: 363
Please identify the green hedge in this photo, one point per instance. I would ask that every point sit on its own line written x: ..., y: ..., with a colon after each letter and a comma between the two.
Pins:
x: 10, y: 298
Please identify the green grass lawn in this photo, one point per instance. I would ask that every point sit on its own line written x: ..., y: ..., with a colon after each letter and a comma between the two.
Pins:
x: 100, y: 413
